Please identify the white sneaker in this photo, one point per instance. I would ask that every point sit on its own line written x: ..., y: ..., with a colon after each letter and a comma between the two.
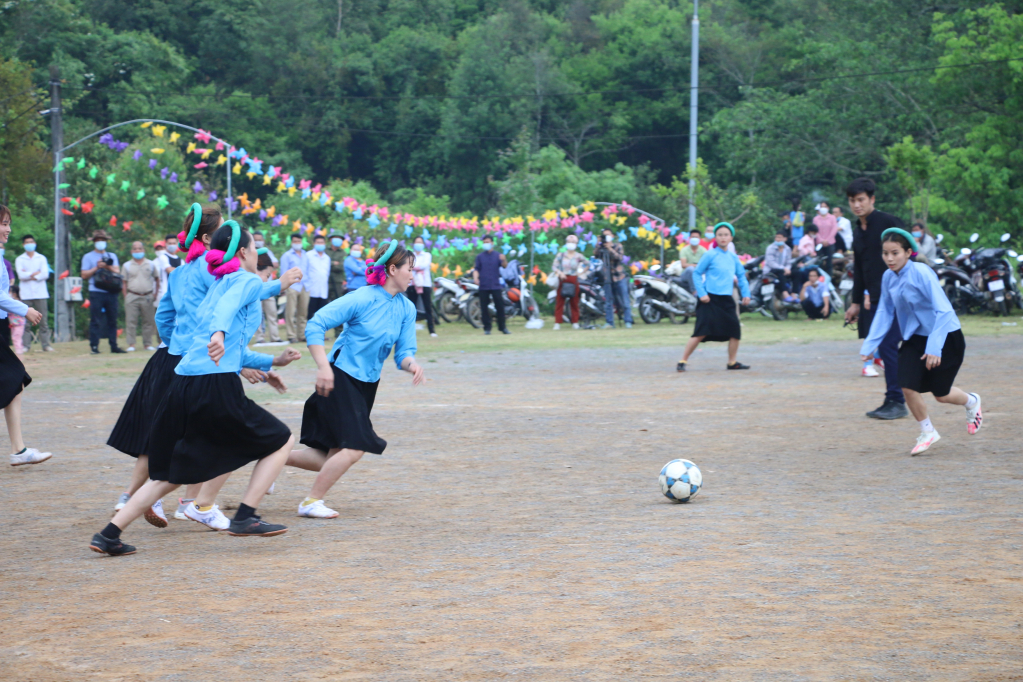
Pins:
x: 575, y: 325
x: 974, y: 417
x: 29, y: 456
x: 130, y: 349
x: 271, y: 490
x: 213, y: 518
x: 121, y: 501
x: 557, y: 326
x: 155, y: 515
x: 925, y: 440
x: 433, y: 335
x: 316, y: 510
x: 869, y: 371
x: 182, y: 506
x: 150, y: 347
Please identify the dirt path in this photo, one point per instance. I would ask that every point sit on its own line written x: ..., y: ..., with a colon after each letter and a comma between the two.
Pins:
x: 515, y: 528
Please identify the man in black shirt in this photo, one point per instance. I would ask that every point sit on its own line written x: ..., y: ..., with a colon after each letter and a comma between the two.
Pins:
x: 487, y: 274
x: 868, y: 269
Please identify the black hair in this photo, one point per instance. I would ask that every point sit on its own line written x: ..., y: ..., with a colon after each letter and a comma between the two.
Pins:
x: 796, y: 201
x: 812, y: 271
x: 696, y: 231
x: 296, y: 236
x: 171, y: 236
x: 27, y: 237
x: 264, y: 262
x: 781, y: 233
x: 812, y: 228
x: 487, y: 236
x: 400, y: 256
x: 16, y: 290
x: 222, y: 238
x: 898, y: 239
x: 319, y: 236
x: 861, y: 186
x: 923, y: 228
x: 208, y: 223
x: 257, y: 232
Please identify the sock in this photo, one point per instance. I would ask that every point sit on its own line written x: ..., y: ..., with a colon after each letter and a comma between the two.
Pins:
x: 111, y: 532
x: 971, y: 401
x: 309, y: 501
x: 21, y: 451
x: 185, y: 500
x: 926, y: 426
x: 244, y: 512
x: 206, y: 508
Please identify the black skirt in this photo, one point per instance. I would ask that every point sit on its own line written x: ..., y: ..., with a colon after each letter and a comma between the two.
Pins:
x: 913, y: 372
x: 717, y: 320
x: 341, y: 420
x: 206, y: 427
x: 13, y: 377
x: 131, y: 433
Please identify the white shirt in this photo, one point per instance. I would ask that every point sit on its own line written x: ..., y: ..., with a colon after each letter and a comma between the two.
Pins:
x: 421, y: 270
x: 162, y: 263
x: 845, y: 229
x: 27, y: 268
x: 318, y: 273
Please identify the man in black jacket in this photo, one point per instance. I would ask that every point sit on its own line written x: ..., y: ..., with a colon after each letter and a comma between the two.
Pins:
x: 868, y: 270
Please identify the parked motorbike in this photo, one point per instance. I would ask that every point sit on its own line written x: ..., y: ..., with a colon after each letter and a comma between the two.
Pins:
x: 446, y: 293
x: 517, y: 300
x: 993, y: 284
x: 591, y: 295
x: 659, y: 297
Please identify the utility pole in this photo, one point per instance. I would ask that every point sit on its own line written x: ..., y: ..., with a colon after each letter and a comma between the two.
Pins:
x: 694, y: 84
x: 62, y: 330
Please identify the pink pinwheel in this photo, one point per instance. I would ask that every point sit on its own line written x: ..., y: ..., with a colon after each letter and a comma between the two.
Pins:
x: 202, y: 136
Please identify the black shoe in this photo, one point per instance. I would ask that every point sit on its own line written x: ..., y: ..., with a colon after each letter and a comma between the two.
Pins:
x: 255, y: 526
x: 505, y: 331
x: 890, y: 410
x: 95, y: 350
x: 104, y: 545
x: 680, y: 367
x: 118, y: 350
x: 737, y: 365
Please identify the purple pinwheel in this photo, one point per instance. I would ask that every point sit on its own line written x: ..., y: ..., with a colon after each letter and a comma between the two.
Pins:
x: 174, y: 177
x: 152, y: 164
x: 137, y: 155
x: 197, y: 187
x: 164, y: 172
x: 213, y: 195
x: 262, y: 215
x: 358, y: 240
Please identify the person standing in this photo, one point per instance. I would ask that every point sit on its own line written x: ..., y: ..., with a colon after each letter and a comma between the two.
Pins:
x: 318, y: 273
x: 102, y: 268
x: 616, y: 284
x: 33, y: 271
x: 866, y: 293
x: 566, y: 267
x: 844, y: 239
x: 421, y: 288
x: 297, y: 297
x: 268, y: 333
x: 140, y: 287
x: 827, y: 231
x: 816, y: 300
x: 355, y: 269
x: 487, y: 275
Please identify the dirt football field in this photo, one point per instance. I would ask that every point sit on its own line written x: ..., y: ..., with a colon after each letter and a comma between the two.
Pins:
x: 514, y: 529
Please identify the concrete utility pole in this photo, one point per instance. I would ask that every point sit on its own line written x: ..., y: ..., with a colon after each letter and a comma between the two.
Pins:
x: 62, y: 330
x: 694, y: 84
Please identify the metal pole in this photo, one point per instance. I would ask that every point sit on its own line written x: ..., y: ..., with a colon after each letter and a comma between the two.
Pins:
x: 694, y: 83
x: 62, y: 330
x: 229, y: 197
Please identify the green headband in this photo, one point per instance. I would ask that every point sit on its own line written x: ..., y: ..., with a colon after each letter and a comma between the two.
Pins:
x: 728, y: 225
x: 194, y: 230
x: 387, y: 254
x: 261, y: 250
x: 913, y: 246
x: 236, y: 235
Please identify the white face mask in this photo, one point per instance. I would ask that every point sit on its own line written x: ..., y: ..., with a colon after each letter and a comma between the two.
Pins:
x: 357, y: 253
x: 260, y: 243
x: 822, y: 210
x: 608, y: 238
x: 571, y: 246
x: 297, y: 246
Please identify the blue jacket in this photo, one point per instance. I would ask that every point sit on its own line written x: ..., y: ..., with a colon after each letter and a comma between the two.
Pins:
x: 355, y: 272
x: 719, y: 267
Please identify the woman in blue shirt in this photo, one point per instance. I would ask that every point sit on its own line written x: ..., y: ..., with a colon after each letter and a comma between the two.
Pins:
x: 205, y: 426
x: 355, y: 269
x: 716, y: 316
x: 335, y: 423
x: 932, y: 347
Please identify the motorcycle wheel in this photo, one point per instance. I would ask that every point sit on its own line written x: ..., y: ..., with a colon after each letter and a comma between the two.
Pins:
x: 447, y: 308
x: 474, y: 314
x: 952, y: 293
x: 1003, y: 308
x: 650, y: 313
x: 778, y: 309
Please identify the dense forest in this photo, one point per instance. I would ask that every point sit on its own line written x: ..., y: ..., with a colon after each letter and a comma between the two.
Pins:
x: 515, y: 107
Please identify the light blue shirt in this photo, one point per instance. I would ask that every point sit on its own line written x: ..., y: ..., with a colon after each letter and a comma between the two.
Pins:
x: 232, y: 306
x: 374, y: 322
x: 8, y: 304
x: 915, y: 296
x: 355, y: 272
x: 719, y: 267
x: 817, y: 293
x: 295, y: 259
x: 91, y: 260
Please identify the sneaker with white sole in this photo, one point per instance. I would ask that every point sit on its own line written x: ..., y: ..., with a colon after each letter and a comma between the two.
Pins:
x: 130, y: 349
x: 575, y: 325
x: 29, y: 456
x: 182, y: 505
x: 316, y: 510
x: 974, y: 417
x: 557, y: 326
x: 925, y: 440
x: 211, y: 519
x: 155, y: 515
x: 121, y: 501
x: 869, y: 371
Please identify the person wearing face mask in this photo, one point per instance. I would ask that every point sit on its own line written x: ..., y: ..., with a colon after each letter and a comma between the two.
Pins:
x: 336, y: 251
x: 355, y: 269
x: 708, y: 237
x: 102, y: 302
x: 269, y: 328
x: 827, y: 232
x: 928, y: 245
x: 318, y: 270
x: 33, y: 271
x: 844, y: 239
x: 689, y: 256
x: 421, y: 288
x: 140, y: 284
x: 566, y: 267
x: 297, y: 298
x: 616, y: 284
x: 487, y: 275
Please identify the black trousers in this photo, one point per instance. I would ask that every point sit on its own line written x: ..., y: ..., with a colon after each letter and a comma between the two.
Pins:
x: 315, y: 304
x: 783, y: 279
x: 485, y: 297
x: 815, y: 312
x: 427, y: 300
x: 103, y: 313
x: 827, y: 253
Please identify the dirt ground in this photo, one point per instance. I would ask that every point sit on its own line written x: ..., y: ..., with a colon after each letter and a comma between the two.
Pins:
x: 515, y: 529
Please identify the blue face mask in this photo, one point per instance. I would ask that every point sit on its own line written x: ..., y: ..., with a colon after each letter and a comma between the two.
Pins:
x: 708, y: 235
x: 137, y: 256
x: 418, y: 248
x: 917, y: 234
x: 320, y: 248
x: 487, y: 246
x: 100, y: 246
x: 296, y: 246
x: 30, y: 248
x: 335, y: 242
x: 694, y: 241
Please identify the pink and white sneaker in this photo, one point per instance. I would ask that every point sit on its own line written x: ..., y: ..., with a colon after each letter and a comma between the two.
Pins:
x: 974, y: 417
x: 925, y: 440
x: 869, y: 371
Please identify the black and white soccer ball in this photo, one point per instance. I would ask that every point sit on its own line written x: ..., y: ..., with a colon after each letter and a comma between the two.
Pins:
x: 680, y: 480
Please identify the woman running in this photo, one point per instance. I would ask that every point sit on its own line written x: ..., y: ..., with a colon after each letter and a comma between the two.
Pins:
x: 206, y: 427
x: 13, y: 377
x: 932, y: 339
x: 716, y: 316
x: 335, y: 423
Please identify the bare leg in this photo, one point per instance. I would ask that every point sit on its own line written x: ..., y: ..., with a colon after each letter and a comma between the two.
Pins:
x: 142, y: 500
x: 309, y: 459
x: 733, y: 350
x: 334, y: 468
x: 12, y: 414
x: 265, y: 473
x: 210, y: 489
x: 139, y: 475
x: 691, y: 345
x: 192, y: 490
x: 955, y: 397
x: 915, y: 403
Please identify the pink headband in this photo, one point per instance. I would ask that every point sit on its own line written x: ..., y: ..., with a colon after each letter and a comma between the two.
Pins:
x: 195, y: 250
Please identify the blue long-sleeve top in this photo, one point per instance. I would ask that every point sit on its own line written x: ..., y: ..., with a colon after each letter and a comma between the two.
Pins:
x: 355, y: 272
x: 915, y: 296
x: 375, y: 321
x: 8, y: 304
x: 231, y: 306
x: 719, y: 267
x: 295, y: 259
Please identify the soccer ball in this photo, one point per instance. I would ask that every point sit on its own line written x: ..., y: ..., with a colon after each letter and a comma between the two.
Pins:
x: 680, y: 480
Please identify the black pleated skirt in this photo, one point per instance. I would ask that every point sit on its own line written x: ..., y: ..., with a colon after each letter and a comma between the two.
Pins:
x: 206, y: 426
x: 913, y: 372
x: 131, y: 432
x: 717, y: 320
x: 13, y: 377
x: 341, y: 420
